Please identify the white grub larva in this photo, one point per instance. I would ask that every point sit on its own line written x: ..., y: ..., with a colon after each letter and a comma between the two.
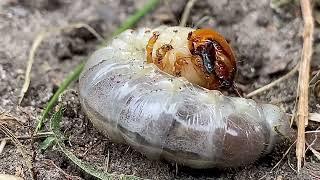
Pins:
x: 164, y: 116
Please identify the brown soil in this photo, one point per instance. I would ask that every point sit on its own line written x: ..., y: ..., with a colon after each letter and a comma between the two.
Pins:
x: 267, y: 43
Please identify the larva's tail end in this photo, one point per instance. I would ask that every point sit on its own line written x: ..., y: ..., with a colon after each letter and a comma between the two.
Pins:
x: 279, y: 124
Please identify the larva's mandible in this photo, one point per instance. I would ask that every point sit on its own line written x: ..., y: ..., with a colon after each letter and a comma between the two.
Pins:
x: 162, y: 115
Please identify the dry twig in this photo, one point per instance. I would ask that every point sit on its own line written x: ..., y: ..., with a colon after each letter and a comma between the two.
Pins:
x: 273, y: 83
x: 278, y: 163
x: 186, y: 12
x: 304, y: 77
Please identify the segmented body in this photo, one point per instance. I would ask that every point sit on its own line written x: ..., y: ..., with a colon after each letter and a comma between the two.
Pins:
x: 163, y: 116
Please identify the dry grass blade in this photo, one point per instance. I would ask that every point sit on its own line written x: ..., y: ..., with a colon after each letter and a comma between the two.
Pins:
x: 315, y: 78
x: 32, y: 53
x: 38, y: 135
x: 21, y: 148
x: 107, y: 161
x: 273, y: 83
x: 315, y: 131
x: 315, y: 152
x: 2, y: 145
x: 35, y: 45
x: 202, y: 21
x: 284, y: 155
x: 186, y: 12
x: 304, y: 77
x: 9, y: 177
x: 5, y: 117
x: 312, y: 141
x: 314, y: 117
x: 316, y: 90
x: 311, y: 171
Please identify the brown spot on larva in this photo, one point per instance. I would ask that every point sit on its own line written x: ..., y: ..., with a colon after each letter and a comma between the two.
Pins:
x: 161, y: 53
x: 147, y: 31
x: 131, y: 31
x: 181, y: 61
x: 175, y: 31
x: 191, y: 45
x: 178, y: 74
x: 189, y: 35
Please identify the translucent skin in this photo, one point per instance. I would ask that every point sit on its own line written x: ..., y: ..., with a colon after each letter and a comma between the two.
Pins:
x: 202, y: 56
x: 163, y: 116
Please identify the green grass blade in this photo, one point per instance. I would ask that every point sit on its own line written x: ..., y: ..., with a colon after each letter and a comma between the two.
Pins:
x: 48, y: 142
x: 88, y: 168
x: 70, y: 78
x: 134, y: 19
x: 130, y: 22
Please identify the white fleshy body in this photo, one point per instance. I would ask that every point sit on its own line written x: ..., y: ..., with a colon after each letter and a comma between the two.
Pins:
x: 167, y: 117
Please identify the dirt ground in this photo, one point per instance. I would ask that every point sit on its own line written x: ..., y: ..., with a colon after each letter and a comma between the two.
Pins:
x: 267, y: 40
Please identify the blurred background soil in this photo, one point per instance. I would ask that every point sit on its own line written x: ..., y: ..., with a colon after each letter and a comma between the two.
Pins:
x: 267, y: 39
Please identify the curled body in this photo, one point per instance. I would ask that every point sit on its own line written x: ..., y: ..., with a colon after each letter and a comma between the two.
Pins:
x: 201, y: 56
x: 164, y: 116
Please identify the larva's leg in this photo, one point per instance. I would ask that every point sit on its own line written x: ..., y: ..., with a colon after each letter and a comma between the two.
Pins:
x: 149, y: 47
x: 178, y: 65
x: 236, y: 90
x: 160, y: 54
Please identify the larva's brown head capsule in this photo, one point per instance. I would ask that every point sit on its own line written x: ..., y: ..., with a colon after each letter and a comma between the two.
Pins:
x: 218, y: 60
